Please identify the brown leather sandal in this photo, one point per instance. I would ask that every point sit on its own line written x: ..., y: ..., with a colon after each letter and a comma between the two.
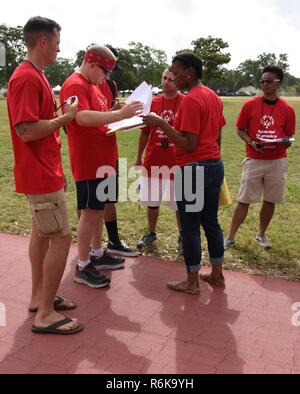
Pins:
x: 184, y: 287
x: 54, y: 328
x: 208, y: 279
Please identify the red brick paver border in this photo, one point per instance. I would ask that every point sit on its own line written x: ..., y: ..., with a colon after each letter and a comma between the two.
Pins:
x: 139, y: 326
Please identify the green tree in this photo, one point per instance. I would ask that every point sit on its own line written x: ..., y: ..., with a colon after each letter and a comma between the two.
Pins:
x: 231, y: 82
x: 251, y: 69
x: 58, y: 72
x: 211, y: 51
x: 290, y: 80
x: 297, y: 88
x: 125, y: 79
x: 271, y: 58
x: 147, y: 63
x: 79, y: 58
x: 12, y: 38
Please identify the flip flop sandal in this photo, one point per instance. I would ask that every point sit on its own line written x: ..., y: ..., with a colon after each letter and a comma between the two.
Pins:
x: 57, y: 306
x: 54, y: 328
x: 208, y: 279
x: 184, y: 287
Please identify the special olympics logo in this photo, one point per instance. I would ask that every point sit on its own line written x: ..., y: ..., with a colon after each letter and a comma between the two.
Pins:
x: 168, y: 116
x: 267, y: 121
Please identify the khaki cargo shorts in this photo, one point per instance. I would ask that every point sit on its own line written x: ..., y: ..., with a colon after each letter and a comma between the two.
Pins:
x: 263, y: 177
x: 49, y: 214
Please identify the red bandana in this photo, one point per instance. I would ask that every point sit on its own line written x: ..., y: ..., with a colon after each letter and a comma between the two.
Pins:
x: 108, y: 64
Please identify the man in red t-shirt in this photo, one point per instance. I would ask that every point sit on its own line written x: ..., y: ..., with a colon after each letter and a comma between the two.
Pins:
x: 261, y: 121
x: 38, y: 173
x: 159, y: 153
x: 93, y: 157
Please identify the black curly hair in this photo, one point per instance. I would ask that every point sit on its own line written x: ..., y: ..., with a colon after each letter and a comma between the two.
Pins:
x: 190, y: 60
x: 275, y: 69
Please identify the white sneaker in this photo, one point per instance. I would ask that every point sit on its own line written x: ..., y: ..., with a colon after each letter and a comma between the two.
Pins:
x: 263, y: 241
x: 228, y: 243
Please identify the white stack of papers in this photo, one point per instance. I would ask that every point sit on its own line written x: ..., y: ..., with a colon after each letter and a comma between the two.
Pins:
x: 277, y: 140
x: 142, y: 93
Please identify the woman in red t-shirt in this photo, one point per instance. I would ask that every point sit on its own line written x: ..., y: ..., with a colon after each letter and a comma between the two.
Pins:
x: 196, y: 135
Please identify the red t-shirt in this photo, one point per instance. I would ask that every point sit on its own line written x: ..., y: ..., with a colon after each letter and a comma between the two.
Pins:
x: 156, y: 154
x: 200, y: 113
x: 262, y: 120
x: 89, y: 147
x: 106, y: 91
x: 38, y: 168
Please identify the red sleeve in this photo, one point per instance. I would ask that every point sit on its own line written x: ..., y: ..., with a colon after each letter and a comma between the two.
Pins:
x: 189, y: 116
x: 25, y: 100
x: 243, y: 118
x: 81, y: 93
x: 290, y: 127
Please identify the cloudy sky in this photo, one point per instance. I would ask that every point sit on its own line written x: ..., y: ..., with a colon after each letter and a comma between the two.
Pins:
x: 250, y: 27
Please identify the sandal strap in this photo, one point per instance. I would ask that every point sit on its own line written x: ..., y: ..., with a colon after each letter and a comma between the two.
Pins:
x: 60, y: 323
x: 58, y: 301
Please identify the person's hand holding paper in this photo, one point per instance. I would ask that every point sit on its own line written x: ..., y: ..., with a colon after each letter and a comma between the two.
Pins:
x: 152, y: 120
x: 283, y: 140
x: 142, y: 94
x: 134, y: 109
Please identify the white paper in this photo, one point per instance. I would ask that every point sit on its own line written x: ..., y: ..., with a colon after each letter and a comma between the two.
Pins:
x: 277, y: 140
x: 142, y: 93
x: 125, y: 125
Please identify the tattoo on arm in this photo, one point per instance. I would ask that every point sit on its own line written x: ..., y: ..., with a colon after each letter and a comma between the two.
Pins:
x: 22, y: 128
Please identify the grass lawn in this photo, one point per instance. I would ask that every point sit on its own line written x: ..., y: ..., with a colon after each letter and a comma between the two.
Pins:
x: 281, y: 261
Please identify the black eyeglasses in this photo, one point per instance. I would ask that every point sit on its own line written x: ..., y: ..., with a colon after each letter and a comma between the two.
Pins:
x: 106, y: 72
x: 268, y: 81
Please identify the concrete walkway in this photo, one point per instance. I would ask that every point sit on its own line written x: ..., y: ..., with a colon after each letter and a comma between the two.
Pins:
x: 138, y: 326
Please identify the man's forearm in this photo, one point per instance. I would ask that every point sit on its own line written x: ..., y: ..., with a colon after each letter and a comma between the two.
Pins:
x: 32, y: 131
x: 97, y: 118
x: 244, y: 135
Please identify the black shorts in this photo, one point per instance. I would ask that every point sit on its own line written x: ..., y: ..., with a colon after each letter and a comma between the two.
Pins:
x: 96, y: 193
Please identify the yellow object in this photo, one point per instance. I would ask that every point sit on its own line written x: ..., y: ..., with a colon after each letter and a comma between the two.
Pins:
x: 225, y: 198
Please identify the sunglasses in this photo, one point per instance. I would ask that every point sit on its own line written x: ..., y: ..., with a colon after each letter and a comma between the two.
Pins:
x: 268, y: 81
x: 106, y: 72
